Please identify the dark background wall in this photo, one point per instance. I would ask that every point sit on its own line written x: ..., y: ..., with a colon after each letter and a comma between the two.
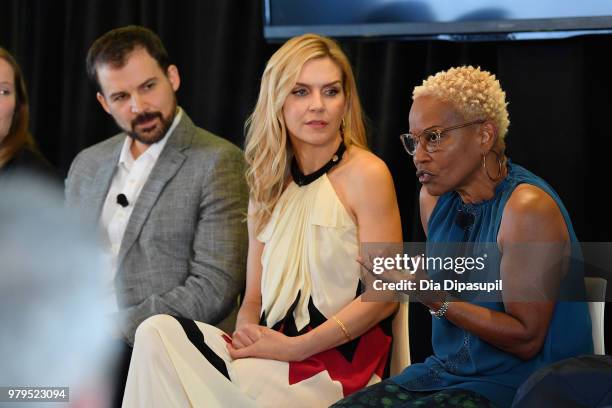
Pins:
x: 559, y: 93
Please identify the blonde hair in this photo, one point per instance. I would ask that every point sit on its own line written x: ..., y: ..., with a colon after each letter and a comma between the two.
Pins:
x: 475, y: 93
x: 267, y: 149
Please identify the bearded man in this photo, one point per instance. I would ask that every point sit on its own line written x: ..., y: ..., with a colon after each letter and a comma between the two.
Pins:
x: 169, y: 197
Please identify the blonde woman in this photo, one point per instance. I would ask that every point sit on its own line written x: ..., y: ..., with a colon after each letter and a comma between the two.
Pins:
x: 303, y: 336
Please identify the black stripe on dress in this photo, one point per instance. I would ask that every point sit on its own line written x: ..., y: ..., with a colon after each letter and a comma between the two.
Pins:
x: 196, y: 337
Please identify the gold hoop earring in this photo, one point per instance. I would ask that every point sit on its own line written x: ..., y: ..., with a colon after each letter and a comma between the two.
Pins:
x: 499, y: 164
x: 342, y: 127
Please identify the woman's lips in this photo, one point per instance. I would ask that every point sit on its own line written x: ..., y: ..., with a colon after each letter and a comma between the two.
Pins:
x: 424, y: 177
x: 316, y: 124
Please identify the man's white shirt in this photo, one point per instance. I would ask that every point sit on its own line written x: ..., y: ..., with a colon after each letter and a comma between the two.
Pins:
x: 130, y: 176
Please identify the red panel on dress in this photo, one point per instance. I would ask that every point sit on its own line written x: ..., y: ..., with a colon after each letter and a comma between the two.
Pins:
x: 370, y: 358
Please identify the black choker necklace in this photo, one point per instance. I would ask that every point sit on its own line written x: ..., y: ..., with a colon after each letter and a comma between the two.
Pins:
x: 301, y: 179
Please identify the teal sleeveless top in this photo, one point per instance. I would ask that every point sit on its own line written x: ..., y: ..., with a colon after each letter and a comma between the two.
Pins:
x: 463, y: 360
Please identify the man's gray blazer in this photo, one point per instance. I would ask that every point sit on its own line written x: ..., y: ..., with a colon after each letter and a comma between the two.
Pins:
x: 184, y: 248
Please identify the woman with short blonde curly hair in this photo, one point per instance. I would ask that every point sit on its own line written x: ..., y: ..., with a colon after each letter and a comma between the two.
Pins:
x: 476, y: 202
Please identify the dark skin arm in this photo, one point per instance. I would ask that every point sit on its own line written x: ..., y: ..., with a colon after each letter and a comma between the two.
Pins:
x: 530, y: 216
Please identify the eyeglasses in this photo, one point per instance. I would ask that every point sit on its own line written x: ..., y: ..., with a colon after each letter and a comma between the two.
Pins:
x: 432, y: 137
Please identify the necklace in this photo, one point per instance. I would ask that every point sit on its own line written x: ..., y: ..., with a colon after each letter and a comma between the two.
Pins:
x: 302, y: 179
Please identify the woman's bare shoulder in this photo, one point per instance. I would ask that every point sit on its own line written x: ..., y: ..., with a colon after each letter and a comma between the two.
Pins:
x: 366, y: 165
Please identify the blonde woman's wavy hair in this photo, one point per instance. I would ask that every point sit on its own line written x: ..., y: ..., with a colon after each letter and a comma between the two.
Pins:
x: 267, y: 149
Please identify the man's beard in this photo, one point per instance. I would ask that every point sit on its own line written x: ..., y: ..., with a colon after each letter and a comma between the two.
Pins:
x: 149, y: 138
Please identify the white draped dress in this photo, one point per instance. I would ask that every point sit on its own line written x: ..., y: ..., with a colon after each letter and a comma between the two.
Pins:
x: 309, y: 274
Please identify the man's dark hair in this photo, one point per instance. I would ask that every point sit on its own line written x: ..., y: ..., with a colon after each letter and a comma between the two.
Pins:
x: 114, y: 47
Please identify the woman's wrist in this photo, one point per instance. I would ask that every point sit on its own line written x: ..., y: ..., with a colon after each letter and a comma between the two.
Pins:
x: 245, y: 320
x: 302, y: 346
x: 437, y: 303
x: 248, y: 314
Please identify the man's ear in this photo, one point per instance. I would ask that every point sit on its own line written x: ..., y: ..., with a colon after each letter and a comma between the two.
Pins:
x: 102, y: 101
x: 174, y: 77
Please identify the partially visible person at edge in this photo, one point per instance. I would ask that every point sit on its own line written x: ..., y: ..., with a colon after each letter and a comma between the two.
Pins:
x: 482, y: 351
x: 18, y: 152
x: 303, y: 337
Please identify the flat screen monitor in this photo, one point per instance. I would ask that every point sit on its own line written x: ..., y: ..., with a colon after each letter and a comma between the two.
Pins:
x: 454, y: 20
